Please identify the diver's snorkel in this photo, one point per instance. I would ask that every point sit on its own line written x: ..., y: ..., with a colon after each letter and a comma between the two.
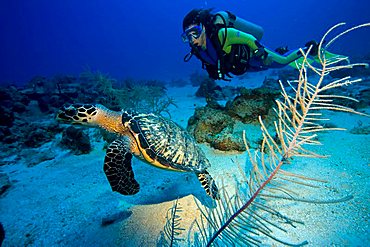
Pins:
x: 191, y: 53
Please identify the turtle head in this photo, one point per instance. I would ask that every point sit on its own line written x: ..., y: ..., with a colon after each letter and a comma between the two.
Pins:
x: 84, y: 114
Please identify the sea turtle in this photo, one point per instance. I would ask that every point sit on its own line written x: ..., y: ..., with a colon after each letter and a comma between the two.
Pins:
x: 150, y: 137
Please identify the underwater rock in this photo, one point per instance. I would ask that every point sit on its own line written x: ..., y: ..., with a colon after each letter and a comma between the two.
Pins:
x: 49, y: 93
x: 251, y: 104
x: 76, y: 140
x: 4, y: 183
x: 214, y: 124
x: 215, y: 127
x: 229, y: 142
x: 206, y: 123
x: 213, y: 103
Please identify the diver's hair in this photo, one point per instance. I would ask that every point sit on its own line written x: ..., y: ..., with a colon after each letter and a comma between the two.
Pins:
x: 198, y: 16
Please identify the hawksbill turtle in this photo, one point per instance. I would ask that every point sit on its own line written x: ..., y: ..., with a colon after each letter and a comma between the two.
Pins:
x: 149, y: 137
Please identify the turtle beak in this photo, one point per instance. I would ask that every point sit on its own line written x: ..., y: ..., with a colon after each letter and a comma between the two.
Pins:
x: 66, y: 114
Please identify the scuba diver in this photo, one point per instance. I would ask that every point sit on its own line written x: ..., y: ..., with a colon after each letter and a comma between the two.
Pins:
x: 225, y: 44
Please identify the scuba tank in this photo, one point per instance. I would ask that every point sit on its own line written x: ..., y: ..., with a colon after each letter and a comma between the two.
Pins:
x: 240, y: 24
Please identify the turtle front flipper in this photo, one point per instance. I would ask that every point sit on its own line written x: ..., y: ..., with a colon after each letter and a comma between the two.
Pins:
x: 117, y: 167
x: 208, y: 184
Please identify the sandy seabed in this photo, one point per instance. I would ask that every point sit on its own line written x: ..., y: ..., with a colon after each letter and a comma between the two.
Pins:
x: 67, y: 201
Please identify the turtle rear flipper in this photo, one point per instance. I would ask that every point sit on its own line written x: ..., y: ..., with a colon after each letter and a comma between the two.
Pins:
x: 117, y: 168
x: 208, y: 184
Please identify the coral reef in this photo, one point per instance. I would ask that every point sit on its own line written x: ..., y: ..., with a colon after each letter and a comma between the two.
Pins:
x: 24, y: 110
x: 96, y: 87
x: 214, y: 124
x: 34, y: 134
x: 252, y: 103
x: 215, y: 127
x: 145, y: 96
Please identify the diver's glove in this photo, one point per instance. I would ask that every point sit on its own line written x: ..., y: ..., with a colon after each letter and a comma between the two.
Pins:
x: 260, y: 51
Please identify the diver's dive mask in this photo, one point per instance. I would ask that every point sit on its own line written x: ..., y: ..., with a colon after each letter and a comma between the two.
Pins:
x: 193, y: 32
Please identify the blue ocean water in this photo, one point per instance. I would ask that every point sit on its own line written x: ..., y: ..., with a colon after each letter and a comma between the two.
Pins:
x: 141, y: 39
x: 51, y: 196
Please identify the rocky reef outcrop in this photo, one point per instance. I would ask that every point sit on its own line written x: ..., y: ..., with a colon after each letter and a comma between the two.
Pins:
x: 214, y: 124
x: 76, y: 140
x: 252, y: 103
